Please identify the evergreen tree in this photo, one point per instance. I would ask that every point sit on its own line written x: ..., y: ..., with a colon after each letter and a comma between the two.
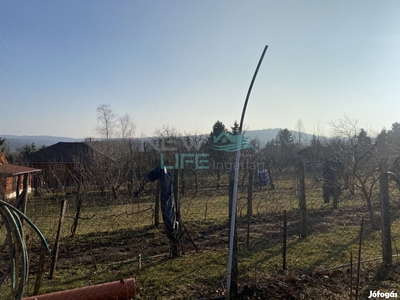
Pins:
x: 363, y: 140
x: 315, y: 142
x: 287, y: 148
x: 394, y: 138
x: 217, y: 156
x: 235, y: 128
x: 28, y: 149
x: 217, y: 129
x: 284, y: 138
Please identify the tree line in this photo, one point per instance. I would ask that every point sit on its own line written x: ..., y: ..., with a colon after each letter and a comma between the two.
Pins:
x: 130, y: 159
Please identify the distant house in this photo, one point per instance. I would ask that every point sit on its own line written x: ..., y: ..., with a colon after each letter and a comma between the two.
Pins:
x: 316, y: 154
x: 66, y: 164
x: 15, y: 180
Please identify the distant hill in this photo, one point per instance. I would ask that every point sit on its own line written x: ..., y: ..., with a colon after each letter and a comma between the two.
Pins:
x: 265, y: 135
x: 17, y: 141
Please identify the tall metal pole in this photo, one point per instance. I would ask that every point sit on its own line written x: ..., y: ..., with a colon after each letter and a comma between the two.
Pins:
x: 236, y: 176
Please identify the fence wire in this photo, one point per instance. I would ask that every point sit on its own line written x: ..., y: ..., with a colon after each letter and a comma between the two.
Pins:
x: 100, y: 240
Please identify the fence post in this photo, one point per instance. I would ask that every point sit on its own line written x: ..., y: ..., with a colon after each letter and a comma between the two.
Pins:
x: 39, y: 274
x: 249, y: 204
x: 234, y: 272
x: 385, y: 213
x: 183, y: 182
x: 157, y: 204
x: 79, y: 203
x: 302, y: 199
x: 284, y: 240
x: 250, y: 194
x: 175, y: 242
x: 58, y: 236
x: 359, y: 257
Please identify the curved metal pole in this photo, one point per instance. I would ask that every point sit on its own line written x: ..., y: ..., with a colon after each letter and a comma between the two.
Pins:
x: 235, y: 183
x: 251, y: 87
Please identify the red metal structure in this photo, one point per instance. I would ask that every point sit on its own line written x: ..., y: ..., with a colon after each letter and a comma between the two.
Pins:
x: 116, y: 290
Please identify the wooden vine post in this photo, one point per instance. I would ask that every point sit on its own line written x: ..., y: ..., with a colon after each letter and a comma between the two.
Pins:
x: 58, y: 237
x: 385, y: 213
x: 157, y: 199
x: 302, y: 199
x: 175, y: 242
x: 249, y: 204
x: 284, y: 240
x: 234, y: 272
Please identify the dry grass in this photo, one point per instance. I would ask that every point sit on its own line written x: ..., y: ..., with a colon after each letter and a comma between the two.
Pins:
x: 110, y: 238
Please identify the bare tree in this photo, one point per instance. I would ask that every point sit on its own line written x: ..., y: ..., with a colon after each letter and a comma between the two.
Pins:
x: 127, y: 126
x: 356, y: 150
x: 166, y: 131
x: 345, y: 128
x: 167, y: 136
x: 118, y: 146
x: 106, y: 124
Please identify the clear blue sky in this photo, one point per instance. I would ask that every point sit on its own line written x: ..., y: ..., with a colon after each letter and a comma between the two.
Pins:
x: 189, y: 64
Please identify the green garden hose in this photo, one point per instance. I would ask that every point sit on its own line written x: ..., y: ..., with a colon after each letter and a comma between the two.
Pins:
x: 18, y: 263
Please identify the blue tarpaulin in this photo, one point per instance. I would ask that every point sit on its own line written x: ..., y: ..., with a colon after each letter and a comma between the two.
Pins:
x: 170, y: 216
x: 263, y: 177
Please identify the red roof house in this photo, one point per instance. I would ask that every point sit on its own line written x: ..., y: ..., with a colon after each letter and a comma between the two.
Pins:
x: 15, y: 181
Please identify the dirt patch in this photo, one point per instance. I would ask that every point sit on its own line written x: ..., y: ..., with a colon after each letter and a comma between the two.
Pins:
x: 332, y: 284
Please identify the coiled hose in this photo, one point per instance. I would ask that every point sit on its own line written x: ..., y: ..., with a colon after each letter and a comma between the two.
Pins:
x: 18, y: 262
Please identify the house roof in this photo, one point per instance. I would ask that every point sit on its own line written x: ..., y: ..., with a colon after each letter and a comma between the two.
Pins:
x: 13, y: 170
x: 317, y: 153
x: 64, y: 152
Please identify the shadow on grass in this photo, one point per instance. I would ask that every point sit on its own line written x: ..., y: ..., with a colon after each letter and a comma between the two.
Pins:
x: 320, y: 228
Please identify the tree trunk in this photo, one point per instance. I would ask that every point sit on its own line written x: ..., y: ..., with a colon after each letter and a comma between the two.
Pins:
x: 130, y: 183
x: 271, y: 182
x: 336, y: 193
x: 114, y: 192
x: 385, y: 213
x: 367, y: 198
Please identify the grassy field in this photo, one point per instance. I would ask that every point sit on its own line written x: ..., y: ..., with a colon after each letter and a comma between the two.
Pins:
x: 112, y: 235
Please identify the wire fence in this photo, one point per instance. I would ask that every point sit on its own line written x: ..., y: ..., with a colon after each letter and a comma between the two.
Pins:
x: 101, y: 240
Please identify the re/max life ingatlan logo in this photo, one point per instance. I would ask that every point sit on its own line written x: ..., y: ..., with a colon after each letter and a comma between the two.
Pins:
x: 224, y: 142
